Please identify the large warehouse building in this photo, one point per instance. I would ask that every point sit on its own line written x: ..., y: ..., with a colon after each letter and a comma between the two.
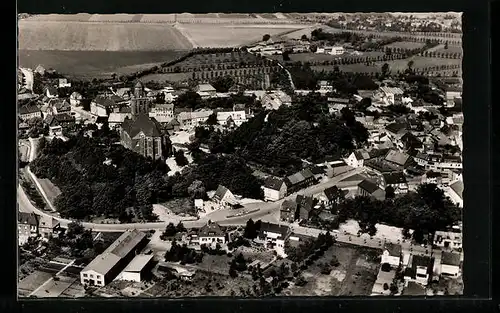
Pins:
x: 106, y: 266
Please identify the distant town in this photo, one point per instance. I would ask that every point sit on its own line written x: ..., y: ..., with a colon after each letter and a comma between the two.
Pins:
x: 323, y: 159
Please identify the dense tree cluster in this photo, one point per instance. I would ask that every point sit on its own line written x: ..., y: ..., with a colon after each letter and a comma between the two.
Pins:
x: 309, y: 247
x: 424, y: 211
x: 183, y: 254
x: 291, y: 134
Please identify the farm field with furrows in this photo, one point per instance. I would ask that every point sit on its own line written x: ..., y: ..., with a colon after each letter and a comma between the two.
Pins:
x: 229, y: 36
x: 80, y: 17
x: 98, y: 64
x: 86, y: 36
x: 115, y: 18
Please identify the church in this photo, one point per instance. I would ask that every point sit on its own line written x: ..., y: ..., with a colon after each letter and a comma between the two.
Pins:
x: 141, y: 133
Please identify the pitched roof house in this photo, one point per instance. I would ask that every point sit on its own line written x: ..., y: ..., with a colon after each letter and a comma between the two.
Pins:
x: 304, y: 206
x: 368, y: 188
x: 224, y: 196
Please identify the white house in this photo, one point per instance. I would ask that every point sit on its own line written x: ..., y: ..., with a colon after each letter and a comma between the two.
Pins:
x: 357, y: 158
x: 116, y: 119
x: 238, y: 117
x: 450, y: 264
x: 137, y: 268
x: 392, y: 255
x: 325, y: 87
x: 206, y: 90
x: 189, y: 120
x: 224, y: 197
x: 63, y: 83
x: 211, y: 234
x: 75, y: 98
x: 448, y: 240
x: 163, y: 113
x: 336, y: 50
x: 419, y: 269
x: 274, y: 237
x: 391, y: 95
x: 274, y: 189
x: 273, y: 100
x: 102, y: 106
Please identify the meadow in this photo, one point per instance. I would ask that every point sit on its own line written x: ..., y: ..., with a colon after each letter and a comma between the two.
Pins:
x: 405, y: 45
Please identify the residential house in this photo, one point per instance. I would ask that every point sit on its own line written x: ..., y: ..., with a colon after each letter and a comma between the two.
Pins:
x: 392, y: 254
x: 356, y: 159
x: 27, y: 226
x: 304, y: 207
x: 452, y: 93
x: 398, y: 160
x: 395, y: 180
x: 224, y: 197
x: 106, y: 266
x: 368, y: 188
x: 336, y: 168
x: 288, y: 211
x: 396, y: 130
x: 331, y: 196
x: 75, y: 99
x: 274, y: 100
x: 325, y: 87
x: 29, y: 111
x: 55, y: 131
x: 299, y: 180
x: 274, y: 237
x: 116, y: 119
x: 431, y: 177
x: 51, y: 92
x: 48, y: 226
x: 455, y: 191
x: 319, y: 171
x: 138, y: 268
x: 62, y: 120
x: 448, y: 240
x: 391, y: 95
x: 103, y: 106
x: 124, y: 93
x: 63, y: 83
x: 60, y: 106
x: 190, y: 120
x: 211, y: 234
x: 238, y: 117
x: 409, y: 141
x: 419, y: 270
x: 205, y: 91
x: 163, y: 113
x: 450, y: 264
x: 274, y: 189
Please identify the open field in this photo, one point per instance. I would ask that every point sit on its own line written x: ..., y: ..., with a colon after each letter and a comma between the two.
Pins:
x: 320, y: 57
x: 31, y: 282
x: 355, y: 275
x: 55, y: 288
x: 99, y: 64
x: 51, y: 190
x: 405, y: 45
x: 87, y: 36
x: 395, y: 65
x: 451, y: 49
x: 203, y: 35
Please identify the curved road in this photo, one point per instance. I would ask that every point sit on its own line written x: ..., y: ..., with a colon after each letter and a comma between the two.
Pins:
x: 267, y: 211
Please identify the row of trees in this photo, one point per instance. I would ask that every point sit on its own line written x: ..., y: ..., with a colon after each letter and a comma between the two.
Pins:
x: 193, y: 100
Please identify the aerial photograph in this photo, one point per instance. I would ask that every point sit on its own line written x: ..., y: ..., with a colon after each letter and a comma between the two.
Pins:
x: 239, y: 155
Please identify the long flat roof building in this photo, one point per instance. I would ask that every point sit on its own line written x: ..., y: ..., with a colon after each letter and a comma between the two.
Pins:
x: 108, y: 264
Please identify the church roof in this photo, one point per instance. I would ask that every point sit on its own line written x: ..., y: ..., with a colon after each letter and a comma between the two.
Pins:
x: 142, y: 123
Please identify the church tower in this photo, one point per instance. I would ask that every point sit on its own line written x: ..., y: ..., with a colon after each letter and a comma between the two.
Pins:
x: 139, y: 102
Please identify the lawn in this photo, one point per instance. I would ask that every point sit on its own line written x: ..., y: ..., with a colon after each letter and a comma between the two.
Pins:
x: 31, y: 282
x: 405, y: 45
x: 355, y: 275
x: 180, y: 205
x: 99, y: 64
x: 218, y: 264
x: 51, y: 190
x: 55, y: 288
